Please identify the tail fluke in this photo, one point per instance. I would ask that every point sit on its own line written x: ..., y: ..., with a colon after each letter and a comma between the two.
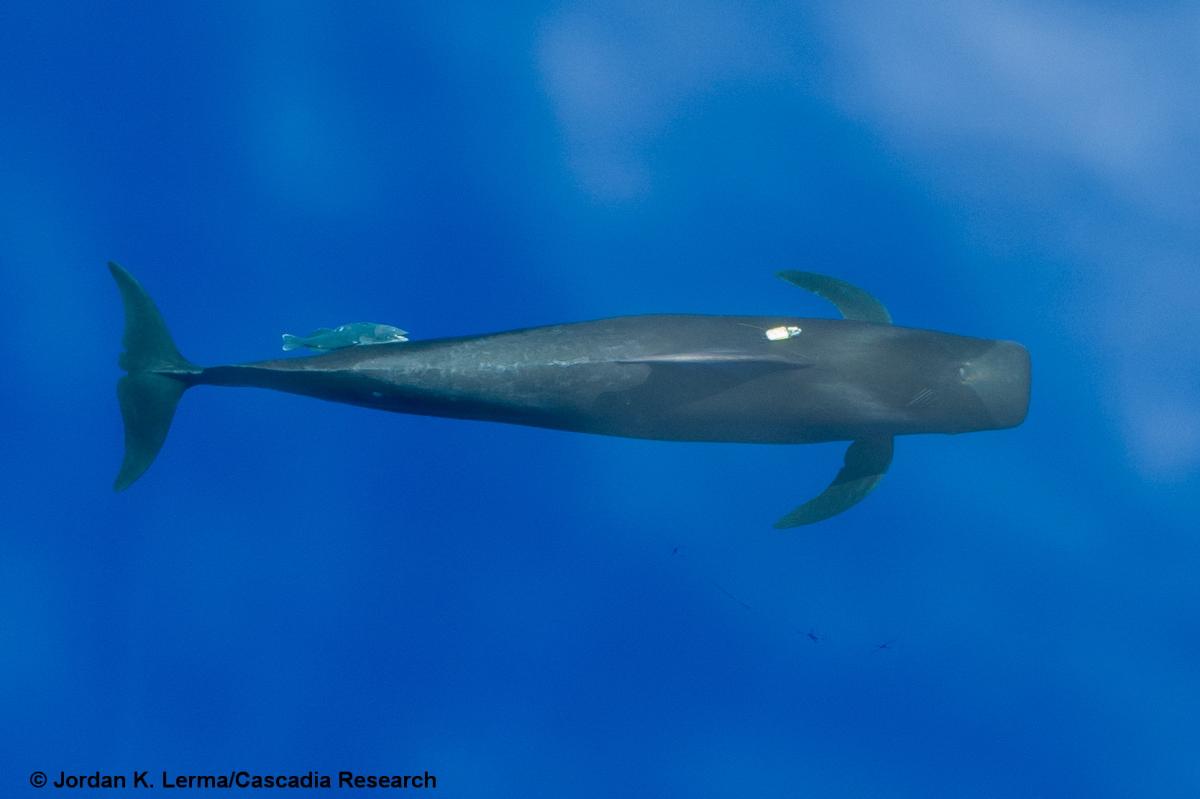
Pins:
x: 291, y: 342
x: 158, y: 376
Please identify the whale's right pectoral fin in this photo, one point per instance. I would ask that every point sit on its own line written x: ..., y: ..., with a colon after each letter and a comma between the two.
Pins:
x: 867, y: 460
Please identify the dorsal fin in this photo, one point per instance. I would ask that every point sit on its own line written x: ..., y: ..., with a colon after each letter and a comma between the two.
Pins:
x: 851, y: 301
x: 776, y: 360
x: 866, y: 462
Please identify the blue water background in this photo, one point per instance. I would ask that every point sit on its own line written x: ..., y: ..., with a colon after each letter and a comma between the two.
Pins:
x: 299, y: 585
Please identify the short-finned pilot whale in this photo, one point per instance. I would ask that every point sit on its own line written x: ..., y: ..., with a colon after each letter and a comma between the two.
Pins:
x: 750, y: 379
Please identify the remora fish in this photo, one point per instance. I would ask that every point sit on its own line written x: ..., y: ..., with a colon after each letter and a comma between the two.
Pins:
x: 348, y: 335
x: 752, y: 379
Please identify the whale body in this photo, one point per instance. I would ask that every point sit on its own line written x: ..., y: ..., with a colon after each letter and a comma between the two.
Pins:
x: 677, y: 377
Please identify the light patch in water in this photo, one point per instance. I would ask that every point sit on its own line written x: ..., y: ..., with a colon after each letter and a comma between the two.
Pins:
x: 783, y: 332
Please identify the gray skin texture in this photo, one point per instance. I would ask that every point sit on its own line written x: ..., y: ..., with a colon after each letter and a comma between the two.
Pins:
x: 679, y: 378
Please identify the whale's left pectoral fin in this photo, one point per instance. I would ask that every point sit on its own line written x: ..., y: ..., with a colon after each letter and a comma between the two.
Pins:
x: 867, y: 460
x: 851, y: 301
